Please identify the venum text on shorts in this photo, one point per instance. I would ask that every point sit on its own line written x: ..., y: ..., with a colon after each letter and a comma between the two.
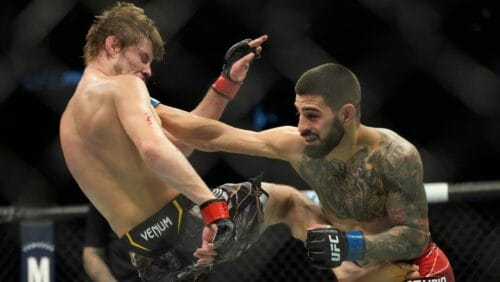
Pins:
x: 156, y: 230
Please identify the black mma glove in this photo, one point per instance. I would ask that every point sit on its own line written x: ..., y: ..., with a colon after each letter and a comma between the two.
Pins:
x: 236, y: 52
x: 225, y: 85
x: 216, y: 211
x: 328, y: 247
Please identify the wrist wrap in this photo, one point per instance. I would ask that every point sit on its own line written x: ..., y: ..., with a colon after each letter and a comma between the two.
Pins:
x: 355, y: 245
x: 213, y: 210
x: 226, y: 87
x: 154, y: 102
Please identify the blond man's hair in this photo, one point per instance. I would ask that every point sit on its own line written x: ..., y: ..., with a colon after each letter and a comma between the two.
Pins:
x: 126, y: 22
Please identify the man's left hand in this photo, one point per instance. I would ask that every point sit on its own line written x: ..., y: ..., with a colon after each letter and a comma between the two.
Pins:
x: 236, y: 70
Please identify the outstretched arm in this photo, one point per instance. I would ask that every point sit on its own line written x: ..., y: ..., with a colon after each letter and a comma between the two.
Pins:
x: 208, y: 135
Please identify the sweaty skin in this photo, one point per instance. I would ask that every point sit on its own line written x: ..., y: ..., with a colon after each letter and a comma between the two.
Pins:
x: 371, y: 181
x: 127, y: 165
x: 102, y: 157
x: 374, y: 192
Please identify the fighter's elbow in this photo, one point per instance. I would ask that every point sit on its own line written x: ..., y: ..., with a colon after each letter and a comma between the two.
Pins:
x: 419, y: 243
x: 149, y: 151
x: 206, y: 146
x: 424, y: 242
x: 207, y: 141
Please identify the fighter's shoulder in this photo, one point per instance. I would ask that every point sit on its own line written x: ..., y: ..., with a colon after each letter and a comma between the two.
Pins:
x: 399, y: 163
x: 286, y: 141
x: 287, y: 129
x: 389, y: 137
x: 104, y: 85
x: 127, y: 83
x: 395, y: 150
x: 116, y: 85
x: 283, y: 133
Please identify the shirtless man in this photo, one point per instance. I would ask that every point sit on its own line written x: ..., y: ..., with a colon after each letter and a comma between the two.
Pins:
x: 120, y: 156
x: 369, y: 180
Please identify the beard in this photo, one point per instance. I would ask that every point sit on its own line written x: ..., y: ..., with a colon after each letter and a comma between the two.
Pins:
x: 326, y: 145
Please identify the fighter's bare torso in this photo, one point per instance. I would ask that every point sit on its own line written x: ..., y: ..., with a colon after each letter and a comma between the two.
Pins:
x: 354, y: 193
x: 119, y: 184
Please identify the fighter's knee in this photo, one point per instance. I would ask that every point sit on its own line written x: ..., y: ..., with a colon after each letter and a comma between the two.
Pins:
x: 279, y: 202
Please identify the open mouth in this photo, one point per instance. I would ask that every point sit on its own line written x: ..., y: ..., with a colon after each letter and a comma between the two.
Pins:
x: 310, y: 138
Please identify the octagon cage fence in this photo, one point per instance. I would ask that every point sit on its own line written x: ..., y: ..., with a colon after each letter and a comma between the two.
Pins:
x: 463, y: 220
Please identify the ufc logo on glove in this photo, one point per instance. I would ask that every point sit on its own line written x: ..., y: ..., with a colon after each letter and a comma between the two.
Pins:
x: 328, y: 247
x: 335, y: 254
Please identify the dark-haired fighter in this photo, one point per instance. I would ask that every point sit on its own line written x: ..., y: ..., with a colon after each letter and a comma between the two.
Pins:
x: 369, y: 180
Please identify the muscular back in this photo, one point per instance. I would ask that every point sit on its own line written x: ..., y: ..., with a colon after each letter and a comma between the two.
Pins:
x: 378, y: 187
x: 103, y: 159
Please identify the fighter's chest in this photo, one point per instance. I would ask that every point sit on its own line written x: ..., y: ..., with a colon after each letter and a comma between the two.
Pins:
x: 349, y: 190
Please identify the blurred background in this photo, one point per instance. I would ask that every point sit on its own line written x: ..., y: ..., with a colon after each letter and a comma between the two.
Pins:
x: 429, y: 70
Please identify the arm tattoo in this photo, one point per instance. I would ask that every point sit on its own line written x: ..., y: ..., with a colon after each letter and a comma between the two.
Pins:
x: 402, y: 174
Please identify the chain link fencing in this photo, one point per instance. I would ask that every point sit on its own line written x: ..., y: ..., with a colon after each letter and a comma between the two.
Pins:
x: 469, y: 233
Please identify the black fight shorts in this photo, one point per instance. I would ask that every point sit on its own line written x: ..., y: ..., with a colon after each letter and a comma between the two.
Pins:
x: 162, y: 246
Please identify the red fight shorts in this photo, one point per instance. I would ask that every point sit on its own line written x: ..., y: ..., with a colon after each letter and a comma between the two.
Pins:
x: 434, y: 266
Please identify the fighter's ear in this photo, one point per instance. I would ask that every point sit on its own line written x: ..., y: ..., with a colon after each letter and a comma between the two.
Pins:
x: 112, y: 45
x: 347, y: 113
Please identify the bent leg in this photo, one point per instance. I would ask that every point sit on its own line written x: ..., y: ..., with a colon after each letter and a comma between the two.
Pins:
x: 288, y: 205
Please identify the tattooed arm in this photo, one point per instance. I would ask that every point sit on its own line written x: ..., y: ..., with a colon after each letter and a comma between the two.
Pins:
x: 402, y: 174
